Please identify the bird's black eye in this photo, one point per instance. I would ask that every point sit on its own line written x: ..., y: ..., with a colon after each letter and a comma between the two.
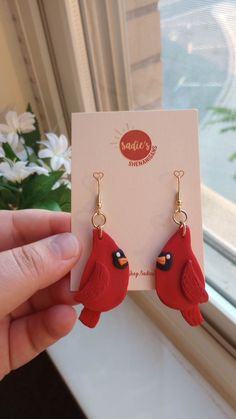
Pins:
x: 164, y: 261
x: 119, y: 259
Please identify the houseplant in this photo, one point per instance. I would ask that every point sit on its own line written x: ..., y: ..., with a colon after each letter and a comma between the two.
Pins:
x: 34, y: 169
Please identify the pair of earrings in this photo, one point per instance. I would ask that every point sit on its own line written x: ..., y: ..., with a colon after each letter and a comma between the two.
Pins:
x: 180, y: 283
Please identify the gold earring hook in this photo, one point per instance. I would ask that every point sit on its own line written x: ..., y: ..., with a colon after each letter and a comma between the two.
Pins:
x: 179, y: 211
x: 98, y: 214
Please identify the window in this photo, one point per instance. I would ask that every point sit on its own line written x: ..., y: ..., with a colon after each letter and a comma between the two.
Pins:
x: 198, y: 54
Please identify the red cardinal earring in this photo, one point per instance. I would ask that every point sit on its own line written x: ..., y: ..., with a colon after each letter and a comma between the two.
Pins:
x: 105, y: 278
x: 180, y: 283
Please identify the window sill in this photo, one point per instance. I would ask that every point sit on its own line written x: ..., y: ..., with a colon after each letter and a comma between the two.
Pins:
x: 127, y: 368
x: 214, y: 362
x: 219, y: 216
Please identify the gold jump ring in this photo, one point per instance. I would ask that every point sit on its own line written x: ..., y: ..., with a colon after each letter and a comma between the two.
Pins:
x: 180, y: 222
x: 98, y: 214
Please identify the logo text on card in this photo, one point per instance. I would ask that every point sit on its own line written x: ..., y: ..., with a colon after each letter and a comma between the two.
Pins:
x: 136, y: 146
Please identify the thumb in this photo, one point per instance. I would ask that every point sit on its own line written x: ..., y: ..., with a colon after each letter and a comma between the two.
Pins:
x: 25, y: 270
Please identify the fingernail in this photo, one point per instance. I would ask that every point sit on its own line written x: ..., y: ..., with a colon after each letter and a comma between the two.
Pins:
x: 65, y: 245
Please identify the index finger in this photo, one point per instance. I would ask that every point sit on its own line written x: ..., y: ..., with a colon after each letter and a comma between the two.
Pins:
x: 30, y: 225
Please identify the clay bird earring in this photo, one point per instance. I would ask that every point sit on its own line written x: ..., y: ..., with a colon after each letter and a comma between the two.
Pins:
x: 180, y: 283
x: 105, y: 278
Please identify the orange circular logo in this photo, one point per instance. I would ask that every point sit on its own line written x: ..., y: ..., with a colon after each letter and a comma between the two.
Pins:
x: 135, y: 145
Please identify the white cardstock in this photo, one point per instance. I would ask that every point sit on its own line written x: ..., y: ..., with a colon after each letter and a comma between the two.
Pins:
x: 138, y: 152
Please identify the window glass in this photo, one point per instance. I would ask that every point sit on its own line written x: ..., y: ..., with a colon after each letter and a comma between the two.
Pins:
x: 198, y: 55
x: 198, y: 42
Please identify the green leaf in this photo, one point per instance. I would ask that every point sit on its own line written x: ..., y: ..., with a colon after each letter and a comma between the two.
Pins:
x: 233, y: 128
x: 8, y: 199
x: 63, y: 196
x: 218, y: 109
x: 221, y: 111
x: 9, y: 187
x: 66, y: 207
x: 33, y: 158
x: 50, y: 205
x: 9, y: 152
x: 224, y: 116
x: 37, y: 187
x: 31, y: 138
x: 57, y: 200
x: 232, y: 157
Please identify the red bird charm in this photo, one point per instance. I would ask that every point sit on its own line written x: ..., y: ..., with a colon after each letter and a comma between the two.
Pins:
x: 104, y: 281
x: 180, y: 283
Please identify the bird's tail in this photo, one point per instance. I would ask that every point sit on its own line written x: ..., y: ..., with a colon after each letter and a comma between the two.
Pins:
x: 193, y: 316
x: 89, y: 317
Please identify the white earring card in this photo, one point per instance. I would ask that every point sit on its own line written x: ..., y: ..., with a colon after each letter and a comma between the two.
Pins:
x: 137, y: 151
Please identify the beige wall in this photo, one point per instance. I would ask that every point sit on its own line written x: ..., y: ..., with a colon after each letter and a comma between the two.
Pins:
x: 12, y: 95
x: 42, y: 81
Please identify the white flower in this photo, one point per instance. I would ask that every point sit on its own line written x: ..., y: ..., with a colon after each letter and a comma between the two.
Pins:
x: 17, y: 145
x: 44, y: 166
x: 11, y: 132
x: 62, y: 181
x: 14, y: 171
x: 18, y: 124
x: 2, y: 152
x: 18, y: 171
x: 35, y: 168
x: 58, y: 150
x: 2, y: 138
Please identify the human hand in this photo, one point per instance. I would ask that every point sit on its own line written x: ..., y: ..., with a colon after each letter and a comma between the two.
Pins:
x: 36, y: 255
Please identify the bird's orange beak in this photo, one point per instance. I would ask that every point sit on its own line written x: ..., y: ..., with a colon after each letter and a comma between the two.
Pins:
x: 161, y: 260
x: 123, y: 261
